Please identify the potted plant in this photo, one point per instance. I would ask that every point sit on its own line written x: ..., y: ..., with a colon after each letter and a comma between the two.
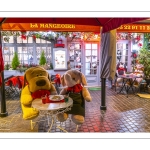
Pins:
x: 144, y: 59
x: 42, y: 58
x: 15, y: 61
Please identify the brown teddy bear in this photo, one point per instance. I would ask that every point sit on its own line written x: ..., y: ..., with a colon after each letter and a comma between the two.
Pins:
x: 36, y: 84
x: 75, y: 81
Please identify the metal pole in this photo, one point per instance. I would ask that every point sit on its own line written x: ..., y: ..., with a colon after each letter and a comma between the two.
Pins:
x: 103, y: 94
x: 3, y: 113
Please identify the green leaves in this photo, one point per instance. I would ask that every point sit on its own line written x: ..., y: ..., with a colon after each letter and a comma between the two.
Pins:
x: 42, y: 58
x: 15, y: 61
x: 144, y: 59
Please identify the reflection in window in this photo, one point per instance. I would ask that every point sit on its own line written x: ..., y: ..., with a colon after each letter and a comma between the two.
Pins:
x: 47, y: 51
x: 8, y: 53
x: 25, y: 55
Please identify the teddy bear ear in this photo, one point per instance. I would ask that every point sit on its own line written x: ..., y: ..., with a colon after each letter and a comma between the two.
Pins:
x: 62, y: 79
x: 24, y: 81
x: 83, y: 79
x: 49, y: 78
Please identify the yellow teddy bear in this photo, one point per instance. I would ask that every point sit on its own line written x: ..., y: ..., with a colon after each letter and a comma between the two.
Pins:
x: 36, y: 84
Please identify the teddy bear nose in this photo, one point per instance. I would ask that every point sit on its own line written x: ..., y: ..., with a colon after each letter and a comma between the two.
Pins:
x: 40, y: 83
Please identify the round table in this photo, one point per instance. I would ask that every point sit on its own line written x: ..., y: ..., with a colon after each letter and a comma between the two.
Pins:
x: 52, y: 110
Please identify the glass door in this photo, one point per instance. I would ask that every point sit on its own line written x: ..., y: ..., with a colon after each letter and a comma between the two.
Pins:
x: 123, y: 53
x: 92, y: 63
x: 75, y: 54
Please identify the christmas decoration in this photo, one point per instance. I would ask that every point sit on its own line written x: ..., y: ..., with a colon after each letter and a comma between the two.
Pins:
x: 42, y: 58
x: 52, y: 35
x: 59, y: 43
x: 136, y: 38
x: 134, y: 60
x: 15, y: 61
x: 23, y: 37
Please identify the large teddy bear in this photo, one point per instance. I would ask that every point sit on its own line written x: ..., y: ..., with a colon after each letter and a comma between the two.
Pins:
x: 75, y: 82
x: 36, y: 84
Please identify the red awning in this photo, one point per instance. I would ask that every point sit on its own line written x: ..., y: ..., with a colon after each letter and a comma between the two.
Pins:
x: 107, y: 23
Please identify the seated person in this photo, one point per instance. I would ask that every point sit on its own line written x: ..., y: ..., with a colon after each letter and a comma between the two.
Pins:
x: 139, y: 73
x: 120, y: 71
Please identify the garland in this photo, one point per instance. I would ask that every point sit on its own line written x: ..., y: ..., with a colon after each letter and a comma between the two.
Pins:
x: 136, y: 38
x: 51, y: 35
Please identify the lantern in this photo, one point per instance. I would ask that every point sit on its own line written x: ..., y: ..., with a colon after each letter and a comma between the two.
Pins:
x: 59, y: 43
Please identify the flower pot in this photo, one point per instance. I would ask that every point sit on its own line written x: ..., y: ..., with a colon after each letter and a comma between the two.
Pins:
x: 148, y: 89
x: 147, y: 81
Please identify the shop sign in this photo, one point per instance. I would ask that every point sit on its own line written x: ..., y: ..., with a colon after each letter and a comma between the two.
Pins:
x: 134, y: 28
x: 49, y: 26
x: 60, y: 58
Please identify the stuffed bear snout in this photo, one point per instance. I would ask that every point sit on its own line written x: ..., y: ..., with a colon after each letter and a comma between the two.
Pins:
x: 40, y: 82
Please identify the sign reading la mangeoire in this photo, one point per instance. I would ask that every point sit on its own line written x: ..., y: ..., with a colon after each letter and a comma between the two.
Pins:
x: 134, y: 28
x: 49, y: 26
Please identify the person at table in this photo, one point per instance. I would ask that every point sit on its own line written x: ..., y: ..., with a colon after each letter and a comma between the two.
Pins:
x: 121, y: 70
x: 139, y: 73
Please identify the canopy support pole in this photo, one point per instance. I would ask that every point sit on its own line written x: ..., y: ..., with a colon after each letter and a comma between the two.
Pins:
x: 3, y: 112
x: 103, y: 94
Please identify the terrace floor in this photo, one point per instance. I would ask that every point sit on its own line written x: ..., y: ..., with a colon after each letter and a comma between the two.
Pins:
x: 123, y: 114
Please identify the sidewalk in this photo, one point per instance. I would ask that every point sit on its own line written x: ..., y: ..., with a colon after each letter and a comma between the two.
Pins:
x: 122, y: 115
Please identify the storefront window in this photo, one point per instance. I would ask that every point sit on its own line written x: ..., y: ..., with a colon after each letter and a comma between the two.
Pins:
x: 25, y: 40
x: 9, y: 39
x: 25, y: 55
x: 8, y: 53
x: 47, y: 51
x: 30, y: 40
x: 38, y: 40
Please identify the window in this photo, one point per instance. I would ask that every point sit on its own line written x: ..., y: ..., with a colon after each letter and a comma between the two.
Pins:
x: 8, y: 53
x: 38, y: 40
x: 28, y: 50
x: 47, y: 51
x: 91, y: 52
x: 9, y: 39
x: 27, y: 40
x: 25, y: 55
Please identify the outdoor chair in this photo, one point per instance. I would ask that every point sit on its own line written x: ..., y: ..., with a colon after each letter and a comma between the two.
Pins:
x: 140, y: 87
x: 11, y: 87
x: 20, y: 80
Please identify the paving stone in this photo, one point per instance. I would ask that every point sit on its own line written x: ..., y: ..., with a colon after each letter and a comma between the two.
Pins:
x: 123, y: 114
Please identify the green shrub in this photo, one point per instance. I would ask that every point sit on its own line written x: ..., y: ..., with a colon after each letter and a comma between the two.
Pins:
x: 15, y: 61
x: 42, y: 58
x: 144, y: 59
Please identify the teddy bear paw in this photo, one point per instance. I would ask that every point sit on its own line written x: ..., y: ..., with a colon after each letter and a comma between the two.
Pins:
x: 77, y: 119
x: 88, y: 98
x: 30, y: 113
x: 62, y: 117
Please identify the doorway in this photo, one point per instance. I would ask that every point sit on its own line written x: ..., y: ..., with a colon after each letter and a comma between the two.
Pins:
x: 91, y: 67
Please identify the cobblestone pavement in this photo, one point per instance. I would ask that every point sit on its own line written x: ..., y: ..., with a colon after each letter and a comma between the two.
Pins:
x: 123, y: 114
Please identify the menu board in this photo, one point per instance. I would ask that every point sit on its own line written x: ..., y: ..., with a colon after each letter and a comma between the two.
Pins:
x: 60, y: 60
